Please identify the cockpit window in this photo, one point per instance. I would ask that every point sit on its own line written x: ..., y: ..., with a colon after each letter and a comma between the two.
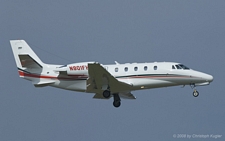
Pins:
x: 173, y: 67
x: 181, y: 66
x: 184, y: 67
x: 178, y: 67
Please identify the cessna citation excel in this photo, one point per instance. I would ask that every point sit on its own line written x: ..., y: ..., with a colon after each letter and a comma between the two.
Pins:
x: 104, y: 81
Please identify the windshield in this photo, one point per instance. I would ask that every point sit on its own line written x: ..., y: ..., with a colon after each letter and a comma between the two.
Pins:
x: 183, y: 67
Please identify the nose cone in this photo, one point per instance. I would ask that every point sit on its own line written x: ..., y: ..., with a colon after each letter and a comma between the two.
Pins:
x: 202, y: 78
x: 208, y: 78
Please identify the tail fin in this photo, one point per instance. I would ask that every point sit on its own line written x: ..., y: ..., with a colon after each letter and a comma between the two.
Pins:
x: 25, y: 57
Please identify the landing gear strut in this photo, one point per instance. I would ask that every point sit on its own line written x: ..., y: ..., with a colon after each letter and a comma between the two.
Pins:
x: 116, y: 102
x: 195, y: 93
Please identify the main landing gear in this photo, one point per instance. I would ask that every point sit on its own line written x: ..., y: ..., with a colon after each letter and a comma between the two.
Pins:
x: 106, y: 94
x: 195, y: 93
x: 116, y: 97
x: 116, y: 102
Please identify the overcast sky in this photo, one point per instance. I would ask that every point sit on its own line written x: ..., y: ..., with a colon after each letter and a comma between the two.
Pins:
x: 191, y: 32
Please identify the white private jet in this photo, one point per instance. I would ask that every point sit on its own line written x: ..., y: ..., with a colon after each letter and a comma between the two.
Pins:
x: 105, y: 81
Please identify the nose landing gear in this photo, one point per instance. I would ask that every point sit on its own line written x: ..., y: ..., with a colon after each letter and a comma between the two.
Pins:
x: 195, y: 93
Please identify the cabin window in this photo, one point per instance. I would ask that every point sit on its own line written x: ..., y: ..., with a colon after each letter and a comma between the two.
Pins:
x: 126, y: 69
x: 173, y: 67
x: 116, y: 69
x: 135, y: 68
x: 145, y: 68
x: 155, y: 67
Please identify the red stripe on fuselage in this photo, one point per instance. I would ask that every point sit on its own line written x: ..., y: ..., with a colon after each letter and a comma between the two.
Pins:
x: 24, y: 74
x: 154, y: 77
x: 159, y: 77
x: 77, y: 77
x: 21, y: 73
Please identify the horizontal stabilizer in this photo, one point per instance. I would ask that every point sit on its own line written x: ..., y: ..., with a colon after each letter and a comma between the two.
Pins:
x: 42, y: 83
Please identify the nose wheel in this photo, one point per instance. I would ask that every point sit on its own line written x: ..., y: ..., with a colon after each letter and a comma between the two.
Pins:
x: 195, y: 93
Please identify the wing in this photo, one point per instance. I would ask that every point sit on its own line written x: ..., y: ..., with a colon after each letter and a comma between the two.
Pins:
x: 127, y: 95
x: 100, y: 79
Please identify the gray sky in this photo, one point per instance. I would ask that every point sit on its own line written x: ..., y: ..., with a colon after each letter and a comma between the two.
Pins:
x: 190, y: 32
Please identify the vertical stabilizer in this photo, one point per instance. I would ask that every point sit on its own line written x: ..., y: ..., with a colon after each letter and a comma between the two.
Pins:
x: 24, y: 55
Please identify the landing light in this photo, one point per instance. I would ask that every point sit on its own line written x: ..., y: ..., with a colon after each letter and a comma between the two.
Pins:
x: 142, y: 87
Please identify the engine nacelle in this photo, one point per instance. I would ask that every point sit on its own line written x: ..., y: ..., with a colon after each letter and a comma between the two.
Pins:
x: 78, y: 68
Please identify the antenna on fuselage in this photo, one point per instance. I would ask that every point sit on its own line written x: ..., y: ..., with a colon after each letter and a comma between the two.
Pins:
x: 117, y: 63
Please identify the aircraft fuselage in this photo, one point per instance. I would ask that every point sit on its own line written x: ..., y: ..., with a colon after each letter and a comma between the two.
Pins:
x: 105, y: 81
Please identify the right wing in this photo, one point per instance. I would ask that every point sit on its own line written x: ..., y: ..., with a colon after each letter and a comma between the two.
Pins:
x: 99, y: 79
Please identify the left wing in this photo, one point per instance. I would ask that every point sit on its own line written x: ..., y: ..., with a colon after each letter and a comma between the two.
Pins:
x: 100, y: 79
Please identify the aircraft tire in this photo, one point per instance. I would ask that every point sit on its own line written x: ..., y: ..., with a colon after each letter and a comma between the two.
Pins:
x: 116, y: 104
x: 195, y: 93
x: 106, y: 94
